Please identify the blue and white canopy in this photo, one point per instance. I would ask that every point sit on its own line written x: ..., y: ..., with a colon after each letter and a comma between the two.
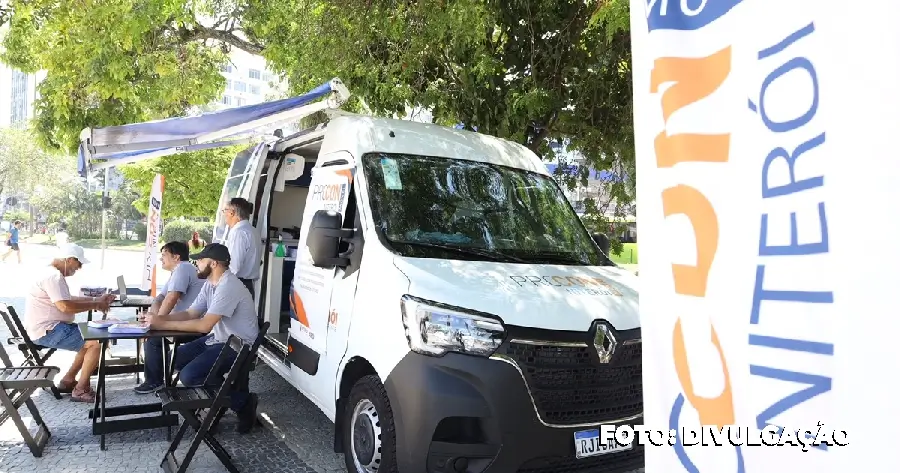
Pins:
x: 117, y: 145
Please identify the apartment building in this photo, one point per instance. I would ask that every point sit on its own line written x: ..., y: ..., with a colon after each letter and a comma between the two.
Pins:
x: 248, y: 81
x: 18, y: 92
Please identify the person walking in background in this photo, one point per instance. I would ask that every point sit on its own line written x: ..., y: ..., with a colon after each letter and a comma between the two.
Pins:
x: 195, y: 244
x: 62, y: 237
x: 242, y: 242
x: 13, y: 241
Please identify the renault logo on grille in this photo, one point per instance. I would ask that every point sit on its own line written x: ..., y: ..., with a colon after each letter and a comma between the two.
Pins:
x: 605, y: 343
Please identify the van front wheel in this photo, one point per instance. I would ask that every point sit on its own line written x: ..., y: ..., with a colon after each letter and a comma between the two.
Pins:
x: 368, y: 429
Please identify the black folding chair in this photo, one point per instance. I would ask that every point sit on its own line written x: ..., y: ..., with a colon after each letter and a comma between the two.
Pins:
x: 35, y: 355
x: 203, y: 407
x: 17, y: 384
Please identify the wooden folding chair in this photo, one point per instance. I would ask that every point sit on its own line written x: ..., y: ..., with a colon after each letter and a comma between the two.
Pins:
x: 17, y: 384
x: 203, y: 407
x: 35, y: 355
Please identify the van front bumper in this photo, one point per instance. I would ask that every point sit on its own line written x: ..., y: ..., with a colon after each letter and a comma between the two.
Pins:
x: 459, y: 413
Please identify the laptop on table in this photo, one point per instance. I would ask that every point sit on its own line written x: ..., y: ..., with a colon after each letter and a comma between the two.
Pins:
x: 127, y: 300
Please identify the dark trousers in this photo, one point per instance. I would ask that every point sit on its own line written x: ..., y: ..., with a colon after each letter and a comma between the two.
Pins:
x: 248, y: 283
x: 194, y: 360
x: 153, y: 358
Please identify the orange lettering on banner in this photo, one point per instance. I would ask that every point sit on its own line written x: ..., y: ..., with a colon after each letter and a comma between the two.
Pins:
x: 694, y: 79
x: 717, y: 410
x: 685, y: 200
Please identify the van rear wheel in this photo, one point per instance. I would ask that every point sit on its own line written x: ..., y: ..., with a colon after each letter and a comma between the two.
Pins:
x: 368, y: 429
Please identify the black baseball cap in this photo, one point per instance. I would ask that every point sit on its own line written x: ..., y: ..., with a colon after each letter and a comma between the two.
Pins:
x: 214, y: 251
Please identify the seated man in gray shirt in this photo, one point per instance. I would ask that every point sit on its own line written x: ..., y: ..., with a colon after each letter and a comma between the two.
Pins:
x: 224, y: 307
x: 177, y: 295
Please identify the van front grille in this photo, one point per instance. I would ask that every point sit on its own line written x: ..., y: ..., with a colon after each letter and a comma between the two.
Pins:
x: 570, y: 386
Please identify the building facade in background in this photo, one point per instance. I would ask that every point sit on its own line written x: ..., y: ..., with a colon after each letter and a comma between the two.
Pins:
x: 248, y: 81
x: 596, y: 189
x: 18, y: 92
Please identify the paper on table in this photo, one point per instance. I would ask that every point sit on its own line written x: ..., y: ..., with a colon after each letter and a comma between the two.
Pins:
x: 104, y: 323
x: 128, y: 328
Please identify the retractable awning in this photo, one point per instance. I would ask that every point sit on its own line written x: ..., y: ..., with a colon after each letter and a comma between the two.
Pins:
x: 117, y: 145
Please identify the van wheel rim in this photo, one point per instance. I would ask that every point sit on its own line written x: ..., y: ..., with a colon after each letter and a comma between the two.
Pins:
x: 365, y: 437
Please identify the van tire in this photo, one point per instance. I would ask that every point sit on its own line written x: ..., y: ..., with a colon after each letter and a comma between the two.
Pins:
x: 368, y: 394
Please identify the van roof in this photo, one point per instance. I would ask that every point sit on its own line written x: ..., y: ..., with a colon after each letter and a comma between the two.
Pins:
x: 360, y: 134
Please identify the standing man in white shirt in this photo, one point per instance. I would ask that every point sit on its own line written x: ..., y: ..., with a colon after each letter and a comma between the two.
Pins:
x: 242, y: 242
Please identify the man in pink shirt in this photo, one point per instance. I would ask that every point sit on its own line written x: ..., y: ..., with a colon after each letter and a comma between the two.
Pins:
x: 50, y: 319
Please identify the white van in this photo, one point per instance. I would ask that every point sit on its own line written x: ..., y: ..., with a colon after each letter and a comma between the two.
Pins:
x: 440, y: 300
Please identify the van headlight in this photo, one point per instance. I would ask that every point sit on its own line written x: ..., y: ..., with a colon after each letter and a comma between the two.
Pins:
x: 435, y: 329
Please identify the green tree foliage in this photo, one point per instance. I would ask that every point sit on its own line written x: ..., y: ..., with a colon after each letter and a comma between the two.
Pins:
x: 17, y: 214
x: 110, y: 62
x: 69, y: 201
x: 193, y: 181
x: 123, y: 211
x: 532, y: 71
x: 24, y: 165
x: 182, y: 230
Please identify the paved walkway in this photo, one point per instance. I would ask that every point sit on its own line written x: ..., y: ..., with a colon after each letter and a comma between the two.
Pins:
x: 73, y: 448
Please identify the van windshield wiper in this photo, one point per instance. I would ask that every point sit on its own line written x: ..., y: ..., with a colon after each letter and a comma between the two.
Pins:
x: 556, y: 257
x: 491, y: 255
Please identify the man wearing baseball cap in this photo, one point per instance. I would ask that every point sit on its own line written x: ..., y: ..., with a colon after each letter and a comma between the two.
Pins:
x: 224, y: 307
x: 50, y: 319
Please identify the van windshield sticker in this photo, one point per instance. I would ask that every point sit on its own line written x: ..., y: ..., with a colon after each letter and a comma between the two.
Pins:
x: 391, y: 174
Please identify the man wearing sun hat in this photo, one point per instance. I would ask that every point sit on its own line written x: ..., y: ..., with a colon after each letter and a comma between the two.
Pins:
x: 50, y: 319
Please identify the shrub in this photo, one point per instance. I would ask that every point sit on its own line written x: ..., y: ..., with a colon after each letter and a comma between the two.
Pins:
x: 178, y: 230
x: 182, y: 230
x: 140, y: 229
x: 205, y: 229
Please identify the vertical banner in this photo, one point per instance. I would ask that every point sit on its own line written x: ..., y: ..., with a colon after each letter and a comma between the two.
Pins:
x: 154, y: 229
x: 756, y: 310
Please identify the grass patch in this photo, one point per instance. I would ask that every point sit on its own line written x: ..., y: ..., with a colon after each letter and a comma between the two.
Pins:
x: 92, y: 243
x: 130, y: 245
x: 39, y: 239
x: 629, y: 254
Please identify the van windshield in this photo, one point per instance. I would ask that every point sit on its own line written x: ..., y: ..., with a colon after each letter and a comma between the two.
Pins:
x: 432, y: 207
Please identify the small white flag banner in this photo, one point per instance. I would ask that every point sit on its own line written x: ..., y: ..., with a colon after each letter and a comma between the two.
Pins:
x: 154, y: 230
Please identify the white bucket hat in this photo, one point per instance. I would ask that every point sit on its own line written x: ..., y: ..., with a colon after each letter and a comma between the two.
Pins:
x: 71, y: 250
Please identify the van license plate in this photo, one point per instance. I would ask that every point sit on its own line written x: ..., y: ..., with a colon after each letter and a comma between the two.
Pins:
x: 587, y: 444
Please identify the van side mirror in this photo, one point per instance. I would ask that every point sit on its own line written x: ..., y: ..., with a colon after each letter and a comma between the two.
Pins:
x: 324, y: 239
x: 602, y: 241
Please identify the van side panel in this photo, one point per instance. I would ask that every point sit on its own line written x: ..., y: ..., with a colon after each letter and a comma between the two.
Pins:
x: 376, y: 332
x: 311, y: 289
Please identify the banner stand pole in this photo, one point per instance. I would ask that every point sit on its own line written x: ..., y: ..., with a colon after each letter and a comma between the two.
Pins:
x: 103, y: 218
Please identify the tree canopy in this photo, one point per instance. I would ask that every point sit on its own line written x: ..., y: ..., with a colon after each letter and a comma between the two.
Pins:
x: 24, y: 165
x: 193, y: 181
x: 532, y: 71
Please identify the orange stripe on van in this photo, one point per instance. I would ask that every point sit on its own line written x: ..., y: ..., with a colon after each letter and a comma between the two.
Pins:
x: 299, y: 310
x: 346, y: 173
